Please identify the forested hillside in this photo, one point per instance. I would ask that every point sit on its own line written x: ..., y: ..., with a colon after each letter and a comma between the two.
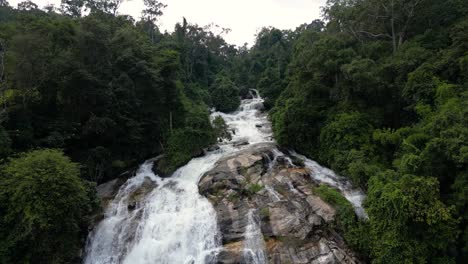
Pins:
x: 378, y: 91
x: 107, y: 89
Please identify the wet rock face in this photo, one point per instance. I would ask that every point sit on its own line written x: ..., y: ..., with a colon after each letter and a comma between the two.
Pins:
x: 294, y: 222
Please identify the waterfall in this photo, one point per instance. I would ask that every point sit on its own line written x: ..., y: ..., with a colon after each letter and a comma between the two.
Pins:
x: 254, y: 244
x: 173, y: 223
x: 155, y: 220
x: 274, y: 194
x: 254, y: 93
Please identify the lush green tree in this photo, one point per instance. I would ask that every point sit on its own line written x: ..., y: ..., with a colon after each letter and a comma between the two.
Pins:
x: 45, y: 206
x: 225, y: 95
x: 153, y: 10
x: 347, y: 132
x: 409, y: 223
x: 269, y: 58
x: 221, y: 129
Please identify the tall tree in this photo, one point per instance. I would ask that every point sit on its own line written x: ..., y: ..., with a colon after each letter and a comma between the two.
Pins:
x: 106, y: 6
x: 153, y: 10
x: 44, y: 205
x: 72, y: 7
x: 377, y: 19
x: 27, y: 6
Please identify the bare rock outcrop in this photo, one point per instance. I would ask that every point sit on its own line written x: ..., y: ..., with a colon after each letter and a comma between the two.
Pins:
x: 294, y: 222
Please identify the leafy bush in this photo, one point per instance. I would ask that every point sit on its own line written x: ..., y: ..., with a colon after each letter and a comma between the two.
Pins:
x: 224, y: 95
x: 221, y: 129
x: 408, y: 222
x: 44, y: 207
x: 255, y: 188
x: 183, y: 145
x: 186, y: 142
x: 354, y: 231
x: 345, y: 211
x: 346, y: 132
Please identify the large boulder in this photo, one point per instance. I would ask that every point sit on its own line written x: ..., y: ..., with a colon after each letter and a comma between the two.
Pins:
x: 107, y: 191
x: 295, y: 223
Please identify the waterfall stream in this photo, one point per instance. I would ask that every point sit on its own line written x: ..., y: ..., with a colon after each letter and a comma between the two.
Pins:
x: 171, y: 222
x: 254, y: 244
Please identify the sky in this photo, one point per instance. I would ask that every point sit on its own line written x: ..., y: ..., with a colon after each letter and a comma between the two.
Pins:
x: 244, y: 17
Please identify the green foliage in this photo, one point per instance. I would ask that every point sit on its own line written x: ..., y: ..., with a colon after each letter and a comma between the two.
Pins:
x: 185, y: 143
x: 409, y: 223
x: 254, y: 188
x: 225, y: 95
x: 5, y: 143
x: 294, y: 115
x: 333, y: 197
x: 347, y: 132
x: 45, y: 206
x: 104, y: 88
x: 221, y: 129
x: 421, y: 86
x: 268, y: 62
x: 354, y: 230
x: 265, y: 212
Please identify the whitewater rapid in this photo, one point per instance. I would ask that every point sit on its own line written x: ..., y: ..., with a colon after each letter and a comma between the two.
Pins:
x: 173, y: 223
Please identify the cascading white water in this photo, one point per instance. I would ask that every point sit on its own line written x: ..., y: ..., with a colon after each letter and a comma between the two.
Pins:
x: 254, y: 243
x: 249, y: 124
x: 173, y: 223
x: 111, y: 239
x: 179, y: 225
x: 274, y: 194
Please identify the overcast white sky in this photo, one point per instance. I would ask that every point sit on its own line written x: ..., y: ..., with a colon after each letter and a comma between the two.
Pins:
x: 243, y: 17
